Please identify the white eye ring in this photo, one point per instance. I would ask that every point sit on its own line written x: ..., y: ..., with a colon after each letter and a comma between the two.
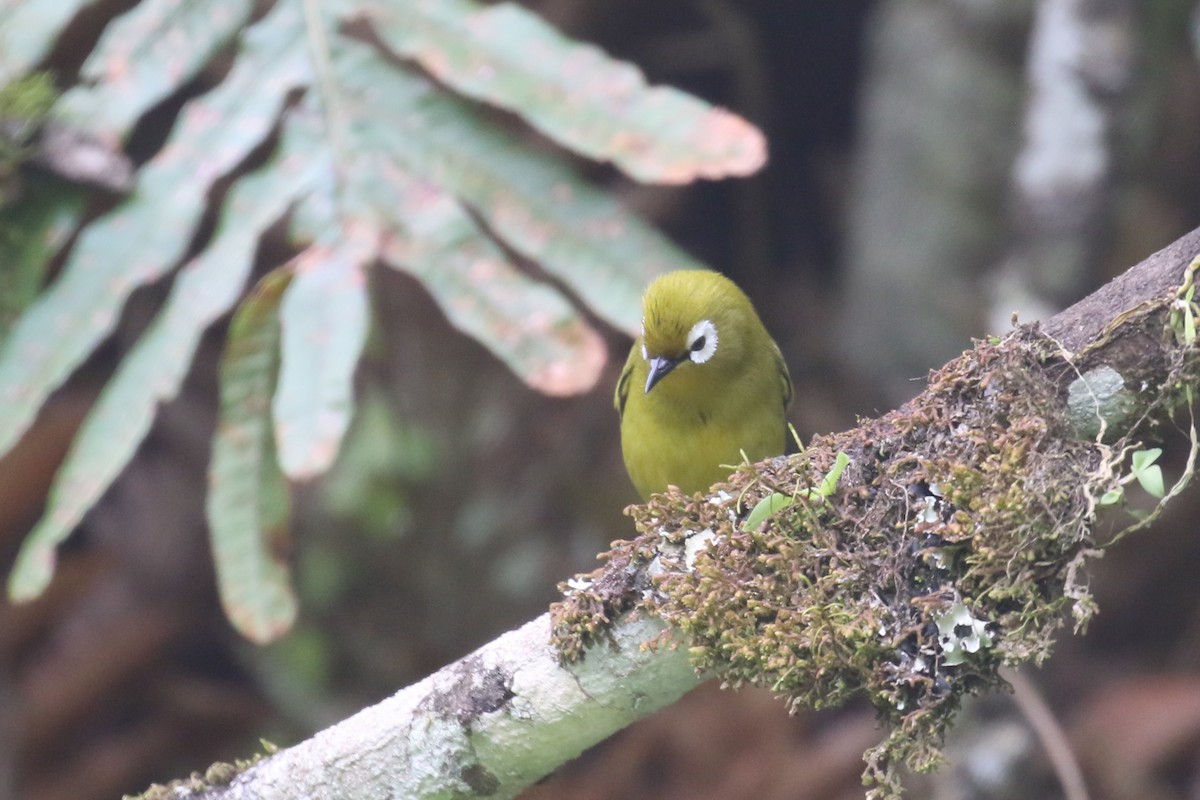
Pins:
x: 702, y: 341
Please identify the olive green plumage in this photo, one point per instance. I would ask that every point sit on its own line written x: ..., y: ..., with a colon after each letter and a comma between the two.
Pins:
x: 704, y: 383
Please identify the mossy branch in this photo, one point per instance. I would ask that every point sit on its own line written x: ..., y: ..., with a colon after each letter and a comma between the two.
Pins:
x: 951, y: 544
x: 955, y: 539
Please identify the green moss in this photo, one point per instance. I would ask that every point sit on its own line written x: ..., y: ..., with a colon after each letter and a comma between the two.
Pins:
x: 972, y: 504
x: 217, y: 775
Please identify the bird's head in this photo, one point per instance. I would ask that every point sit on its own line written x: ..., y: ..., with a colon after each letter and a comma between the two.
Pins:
x: 695, y: 324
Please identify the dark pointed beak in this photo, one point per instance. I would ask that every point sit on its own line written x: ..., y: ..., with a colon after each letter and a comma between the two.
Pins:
x: 659, y: 367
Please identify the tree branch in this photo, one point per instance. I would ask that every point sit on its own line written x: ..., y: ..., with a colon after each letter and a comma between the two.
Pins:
x: 948, y: 548
x: 487, y: 725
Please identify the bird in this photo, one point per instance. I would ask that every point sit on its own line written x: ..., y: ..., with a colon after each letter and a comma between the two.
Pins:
x: 704, y: 383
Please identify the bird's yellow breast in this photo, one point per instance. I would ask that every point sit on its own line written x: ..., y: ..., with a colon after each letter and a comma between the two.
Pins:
x: 662, y: 446
x: 719, y: 387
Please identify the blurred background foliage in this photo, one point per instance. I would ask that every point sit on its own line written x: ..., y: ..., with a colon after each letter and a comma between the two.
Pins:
x: 425, y: 226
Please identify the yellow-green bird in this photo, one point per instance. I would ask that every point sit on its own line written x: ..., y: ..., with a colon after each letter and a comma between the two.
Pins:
x: 704, y: 383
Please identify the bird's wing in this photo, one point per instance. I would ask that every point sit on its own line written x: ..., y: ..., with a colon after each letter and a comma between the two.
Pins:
x: 622, y: 393
x: 785, y: 380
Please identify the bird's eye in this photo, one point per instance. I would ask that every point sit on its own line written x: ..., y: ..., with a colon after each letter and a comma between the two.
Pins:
x: 702, y: 341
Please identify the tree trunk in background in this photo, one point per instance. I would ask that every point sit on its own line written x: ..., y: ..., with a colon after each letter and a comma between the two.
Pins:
x: 1082, y: 56
x: 940, y: 115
